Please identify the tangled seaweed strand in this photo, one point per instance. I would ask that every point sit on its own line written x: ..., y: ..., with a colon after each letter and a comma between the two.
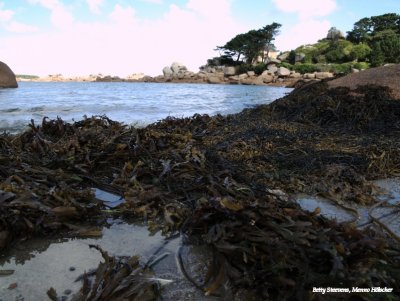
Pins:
x: 225, y: 180
x: 116, y: 279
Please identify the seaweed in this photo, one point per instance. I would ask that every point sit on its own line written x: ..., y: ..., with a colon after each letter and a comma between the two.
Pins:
x: 225, y: 182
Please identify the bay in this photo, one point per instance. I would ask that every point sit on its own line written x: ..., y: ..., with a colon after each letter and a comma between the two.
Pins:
x: 131, y: 103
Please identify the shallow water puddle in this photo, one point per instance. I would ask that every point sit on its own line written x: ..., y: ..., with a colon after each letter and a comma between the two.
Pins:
x: 39, y: 264
x: 387, y: 213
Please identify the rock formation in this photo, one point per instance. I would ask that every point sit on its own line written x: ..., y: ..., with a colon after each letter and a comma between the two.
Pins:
x: 7, y: 77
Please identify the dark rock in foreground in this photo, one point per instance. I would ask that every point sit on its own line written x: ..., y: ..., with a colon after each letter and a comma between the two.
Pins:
x: 7, y: 77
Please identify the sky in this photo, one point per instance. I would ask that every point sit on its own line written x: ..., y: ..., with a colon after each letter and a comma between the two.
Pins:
x: 122, y: 37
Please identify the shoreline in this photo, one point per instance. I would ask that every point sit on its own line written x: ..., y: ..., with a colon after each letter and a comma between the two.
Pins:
x: 285, y: 83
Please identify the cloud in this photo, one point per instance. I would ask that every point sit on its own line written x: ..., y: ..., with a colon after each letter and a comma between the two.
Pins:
x: 124, y: 43
x: 6, y: 14
x: 7, y: 22
x: 60, y: 16
x: 304, y: 32
x: 18, y: 27
x: 153, y: 1
x: 310, y: 25
x: 94, y: 5
x: 306, y: 8
x: 123, y: 15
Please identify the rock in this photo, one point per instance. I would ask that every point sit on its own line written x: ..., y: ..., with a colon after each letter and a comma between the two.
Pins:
x: 295, y: 75
x: 176, y: 67
x: 334, y: 34
x: 7, y: 77
x: 266, y: 78
x: 282, y: 71
x: 283, y: 56
x: 247, y: 81
x: 309, y: 75
x: 167, y: 71
x: 214, y: 79
x: 229, y: 71
x: 322, y: 75
x: 354, y: 70
x: 251, y: 73
x: 136, y: 76
x: 299, y: 57
x: 272, y: 69
x: 273, y: 61
x: 243, y: 76
x: 210, y: 69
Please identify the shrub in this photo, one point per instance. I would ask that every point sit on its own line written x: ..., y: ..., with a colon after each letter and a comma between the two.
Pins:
x: 286, y: 65
x: 260, y: 68
x: 361, y: 65
x: 341, y: 68
x: 305, y: 68
x: 243, y: 68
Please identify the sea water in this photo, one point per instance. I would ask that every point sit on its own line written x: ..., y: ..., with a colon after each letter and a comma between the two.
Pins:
x: 131, y: 103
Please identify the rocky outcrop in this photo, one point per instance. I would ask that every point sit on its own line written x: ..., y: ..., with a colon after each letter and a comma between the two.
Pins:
x: 283, y: 72
x: 229, y: 71
x: 7, y: 77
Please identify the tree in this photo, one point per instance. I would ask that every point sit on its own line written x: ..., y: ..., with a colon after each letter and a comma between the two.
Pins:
x: 267, y: 34
x: 377, y: 57
x: 292, y: 57
x: 366, y: 28
x: 361, y: 31
x: 251, y: 44
x: 360, y: 52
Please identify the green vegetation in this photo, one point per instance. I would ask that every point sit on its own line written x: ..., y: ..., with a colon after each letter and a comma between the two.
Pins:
x: 26, y: 76
x: 252, y: 44
x: 373, y: 41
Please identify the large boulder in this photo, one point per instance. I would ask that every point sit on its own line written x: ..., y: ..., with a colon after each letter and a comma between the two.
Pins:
x: 283, y: 72
x: 214, y: 80
x: 178, y: 67
x: 322, y: 75
x: 272, y: 68
x: 7, y: 77
x: 167, y: 71
x: 266, y: 77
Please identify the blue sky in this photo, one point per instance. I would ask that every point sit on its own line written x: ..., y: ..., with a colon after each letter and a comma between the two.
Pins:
x: 121, y: 37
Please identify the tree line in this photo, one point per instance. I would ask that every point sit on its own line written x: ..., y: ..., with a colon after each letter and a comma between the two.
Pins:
x: 374, y: 40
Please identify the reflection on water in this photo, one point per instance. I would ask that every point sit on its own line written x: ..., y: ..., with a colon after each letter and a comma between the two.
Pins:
x: 41, y: 263
x: 387, y: 213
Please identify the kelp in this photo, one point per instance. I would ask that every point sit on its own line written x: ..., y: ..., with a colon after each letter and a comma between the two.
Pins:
x: 225, y: 182
x: 116, y: 279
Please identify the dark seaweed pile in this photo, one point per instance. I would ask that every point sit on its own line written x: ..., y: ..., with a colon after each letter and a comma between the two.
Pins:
x: 225, y: 182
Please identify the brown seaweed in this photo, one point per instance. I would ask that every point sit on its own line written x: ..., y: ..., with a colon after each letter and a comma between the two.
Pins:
x: 225, y: 182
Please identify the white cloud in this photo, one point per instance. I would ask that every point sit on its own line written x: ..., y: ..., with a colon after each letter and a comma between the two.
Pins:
x: 153, y: 1
x: 304, y: 32
x: 307, y: 8
x: 60, y: 17
x: 310, y: 25
x: 5, y: 15
x: 124, y: 43
x: 94, y: 5
x: 209, y: 8
x: 18, y: 27
x: 122, y: 15
x: 7, y: 22
x: 49, y: 4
